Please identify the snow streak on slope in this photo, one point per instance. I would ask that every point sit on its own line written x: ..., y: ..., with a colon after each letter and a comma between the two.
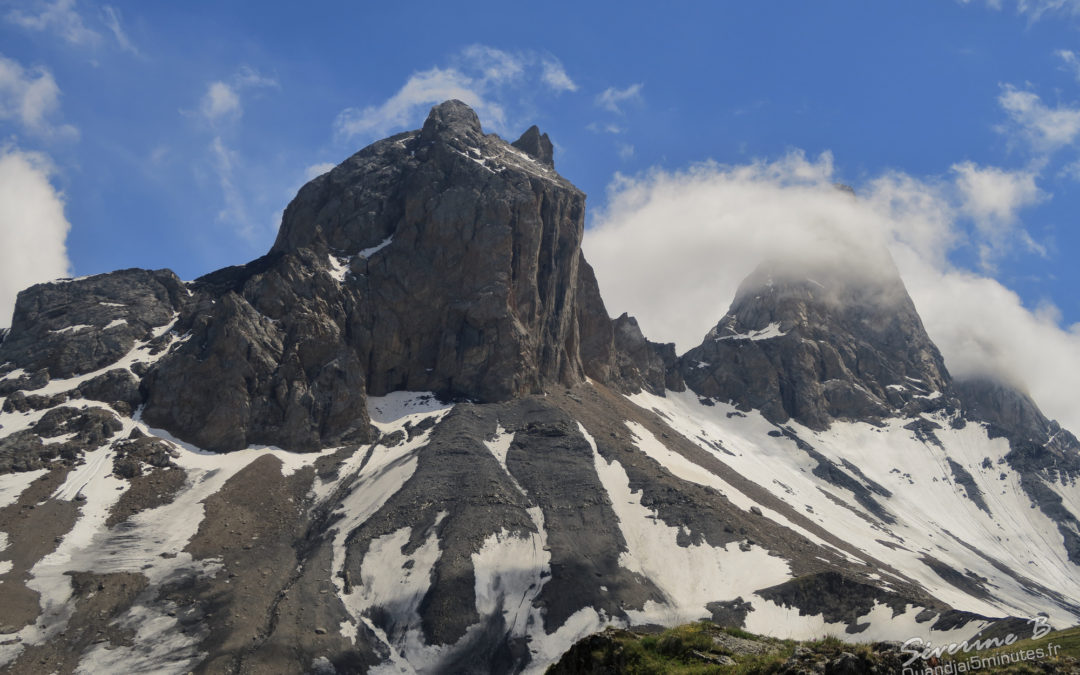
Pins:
x: 511, y: 569
x: 689, y: 576
x: 13, y: 484
x: 372, y: 477
x: 397, y: 582
x: 941, y: 527
x: 149, y: 543
x: 884, y: 624
x: 683, y: 468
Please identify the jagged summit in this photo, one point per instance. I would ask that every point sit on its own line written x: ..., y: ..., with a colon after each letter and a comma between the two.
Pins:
x: 362, y: 201
x: 442, y: 259
x: 537, y: 146
x: 817, y: 345
x: 501, y: 468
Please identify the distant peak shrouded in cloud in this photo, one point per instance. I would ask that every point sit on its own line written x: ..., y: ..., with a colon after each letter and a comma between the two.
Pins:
x: 34, y: 227
x: 671, y: 248
x: 492, y: 81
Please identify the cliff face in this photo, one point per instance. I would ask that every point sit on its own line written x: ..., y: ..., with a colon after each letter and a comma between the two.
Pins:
x: 501, y: 467
x: 443, y: 260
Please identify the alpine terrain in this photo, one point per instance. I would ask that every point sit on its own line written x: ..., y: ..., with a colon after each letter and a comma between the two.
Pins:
x: 411, y: 439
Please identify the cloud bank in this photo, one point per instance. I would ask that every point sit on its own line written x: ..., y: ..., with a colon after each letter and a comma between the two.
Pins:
x: 32, y: 227
x: 672, y: 247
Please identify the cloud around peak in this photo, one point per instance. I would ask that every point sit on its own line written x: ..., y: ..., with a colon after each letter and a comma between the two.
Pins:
x: 672, y: 247
x: 488, y: 79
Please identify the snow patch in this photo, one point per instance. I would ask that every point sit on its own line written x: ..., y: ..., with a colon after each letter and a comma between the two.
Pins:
x: 689, y: 576
x: 368, y: 252
x: 12, y: 485
x: 766, y: 333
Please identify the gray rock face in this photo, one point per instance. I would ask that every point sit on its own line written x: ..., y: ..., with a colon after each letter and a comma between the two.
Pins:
x: 73, y: 327
x: 442, y: 260
x: 641, y: 363
x: 1040, y: 450
x: 463, y: 253
x: 818, y: 349
x: 266, y: 363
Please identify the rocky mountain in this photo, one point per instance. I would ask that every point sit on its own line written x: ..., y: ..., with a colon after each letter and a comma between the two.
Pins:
x: 410, y: 438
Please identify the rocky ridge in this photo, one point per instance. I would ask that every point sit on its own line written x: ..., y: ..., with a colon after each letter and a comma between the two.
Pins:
x: 561, y: 473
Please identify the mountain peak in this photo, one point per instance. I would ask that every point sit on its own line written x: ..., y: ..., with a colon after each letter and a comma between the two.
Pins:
x: 819, y: 345
x: 536, y: 145
x: 451, y: 118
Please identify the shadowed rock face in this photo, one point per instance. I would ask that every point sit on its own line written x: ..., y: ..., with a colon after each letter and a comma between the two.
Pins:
x: 817, y: 347
x: 445, y: 259
x: 77, y: 326
x: 473, y: 292
x: 442, y: 259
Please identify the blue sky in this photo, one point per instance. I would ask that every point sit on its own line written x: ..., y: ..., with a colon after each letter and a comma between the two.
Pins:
x: 172, y: 135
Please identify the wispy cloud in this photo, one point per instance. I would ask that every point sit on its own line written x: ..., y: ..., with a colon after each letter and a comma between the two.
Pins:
x: 555, y: 76
x: 111, y: 16
x: 31, y: 98
x: 612, y: 98
x: 1046, y: 128
x: 60, y: 18
x: 993, y: 198
x: 488, y: 79
x: 222, y: 101
x: 1033, y: 9
x: 63, y: 19
x: 420, y: 91
x: 34, y: 231
x: 316, y: 170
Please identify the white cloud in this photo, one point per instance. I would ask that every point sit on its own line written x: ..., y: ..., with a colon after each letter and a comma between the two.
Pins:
x: 555, y: 76
x: 1047, y: 128
x: 489, y: 80
x: 59, y: 17
x: 495, y: 65
x: 1035, y: 9
x: 672, y: 247
x: 611, y: 97
x: 626, y: 150
x: 422, y: 90
x: 62, y: 18
x: 316, y: 170
x: 222, y: 101
x: 992, y: 198
x: 33, y: 227
x: 235, y: 211
x: 30, y: 98
x: 112, y: 19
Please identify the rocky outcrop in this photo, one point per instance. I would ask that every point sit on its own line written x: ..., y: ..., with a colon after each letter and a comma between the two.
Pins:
x: 1041, y: 452
x: 71, y: 327
x: 463, y: 257
x: 819, y: 345
x: 268, y: 363
x: 443, y: 259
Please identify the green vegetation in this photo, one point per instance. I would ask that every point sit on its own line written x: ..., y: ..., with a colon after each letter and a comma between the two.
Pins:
x: 705, y: 648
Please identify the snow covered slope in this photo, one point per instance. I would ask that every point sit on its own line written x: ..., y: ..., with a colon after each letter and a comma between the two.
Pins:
x: 411, y: 439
